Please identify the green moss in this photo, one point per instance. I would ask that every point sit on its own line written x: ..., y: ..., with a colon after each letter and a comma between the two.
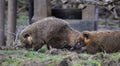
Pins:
x: 11, y: 61
x: 17, y: 57
x: 22, y: 19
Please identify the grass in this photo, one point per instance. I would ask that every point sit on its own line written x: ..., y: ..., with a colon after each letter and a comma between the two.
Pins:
x: 22, y: 19
x: 19, y: 57
x: 16, y: 57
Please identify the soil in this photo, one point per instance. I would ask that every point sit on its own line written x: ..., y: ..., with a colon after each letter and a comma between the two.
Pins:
x: 68, y: 58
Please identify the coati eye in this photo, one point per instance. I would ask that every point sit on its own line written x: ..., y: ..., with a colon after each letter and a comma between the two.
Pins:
x: 26, y: 35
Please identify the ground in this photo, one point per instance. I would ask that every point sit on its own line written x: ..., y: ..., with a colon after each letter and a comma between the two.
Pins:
x: 63, y: 58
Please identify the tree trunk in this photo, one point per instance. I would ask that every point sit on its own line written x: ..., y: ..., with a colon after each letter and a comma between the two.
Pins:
x: 31, y: 10
x: 2, y: 21
x: 12, y: 9
x: 41, y: 9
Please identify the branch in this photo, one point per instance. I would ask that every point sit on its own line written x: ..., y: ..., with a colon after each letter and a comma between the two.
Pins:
x: 20, y: 9
x: 98, y: 3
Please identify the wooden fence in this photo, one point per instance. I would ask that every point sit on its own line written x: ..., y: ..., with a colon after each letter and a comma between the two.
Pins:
x: 82, y: 25
x: 91, y: 25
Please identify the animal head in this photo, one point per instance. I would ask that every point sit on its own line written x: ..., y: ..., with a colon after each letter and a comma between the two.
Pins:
x: 83, y: 40
x: 26, y: 40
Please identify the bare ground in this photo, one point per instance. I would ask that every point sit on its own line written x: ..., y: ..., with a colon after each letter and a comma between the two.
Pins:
x: 63, y: 58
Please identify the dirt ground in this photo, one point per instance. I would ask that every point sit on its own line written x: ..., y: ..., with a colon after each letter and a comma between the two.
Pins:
x: 56, y: 58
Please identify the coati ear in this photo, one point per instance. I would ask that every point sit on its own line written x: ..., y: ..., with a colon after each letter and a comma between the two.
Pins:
x: 26, y: 35
x: 86, y: 34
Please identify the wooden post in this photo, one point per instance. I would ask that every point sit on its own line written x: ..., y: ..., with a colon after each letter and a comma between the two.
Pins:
x: 96, y: 18
x: 41, y: 9
x: 88, y: 12
x: 91, y: 13
x: 119, y: 23
x: 2, y: 21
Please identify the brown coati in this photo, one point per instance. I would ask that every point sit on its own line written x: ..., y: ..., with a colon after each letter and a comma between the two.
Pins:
x: 50, y: 31
x: 99, y: 41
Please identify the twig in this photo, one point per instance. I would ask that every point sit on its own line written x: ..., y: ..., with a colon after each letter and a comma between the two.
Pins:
x: 20, y: 9
x: 16, y: 39
x: 8, y: 32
